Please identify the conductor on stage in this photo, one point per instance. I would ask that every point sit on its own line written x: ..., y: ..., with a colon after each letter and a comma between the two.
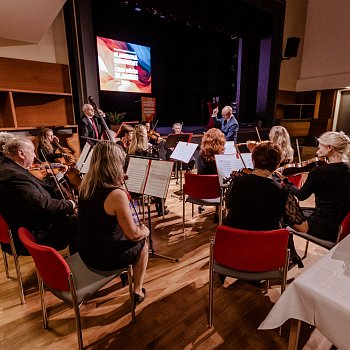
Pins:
x: 227, y: 124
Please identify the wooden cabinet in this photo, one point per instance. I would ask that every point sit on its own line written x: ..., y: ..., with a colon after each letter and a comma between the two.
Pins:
x: 34, y: 94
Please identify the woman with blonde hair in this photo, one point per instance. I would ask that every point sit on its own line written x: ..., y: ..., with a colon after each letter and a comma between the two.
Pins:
x: 280, y: 137
x: 110, y: 239
x: 213, y: 142
x: 331, y: 185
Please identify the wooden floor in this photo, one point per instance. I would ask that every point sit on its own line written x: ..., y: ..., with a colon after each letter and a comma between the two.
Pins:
x: 174, y: 314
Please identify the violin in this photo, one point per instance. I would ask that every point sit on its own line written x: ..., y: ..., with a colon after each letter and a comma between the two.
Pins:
x: 301, y: 167
x: 153, y: 135
x: 41, y: 170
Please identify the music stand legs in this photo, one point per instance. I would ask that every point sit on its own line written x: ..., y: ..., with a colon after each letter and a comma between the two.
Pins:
x: 150, y: 241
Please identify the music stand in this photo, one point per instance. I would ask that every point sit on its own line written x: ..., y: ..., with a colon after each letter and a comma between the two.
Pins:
x: 171, y: 142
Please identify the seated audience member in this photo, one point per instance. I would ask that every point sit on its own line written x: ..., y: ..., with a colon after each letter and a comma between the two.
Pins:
x: 4, y: 137
x: 213, y: 142
x: 228, y: 123
x: 110, y: 239
x: 125, y: 136
x: 330, y: 183
x: 139, y: 146
x: 256, y: 201
x: 25, y: 202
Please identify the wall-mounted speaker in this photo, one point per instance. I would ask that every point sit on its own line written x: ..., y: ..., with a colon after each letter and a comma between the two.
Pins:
x: 292, y: 47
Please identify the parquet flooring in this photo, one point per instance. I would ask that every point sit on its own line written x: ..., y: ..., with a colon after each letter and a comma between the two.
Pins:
x: 174, y: 314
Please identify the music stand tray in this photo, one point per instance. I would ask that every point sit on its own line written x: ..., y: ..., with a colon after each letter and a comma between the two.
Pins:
x: 173, y: 139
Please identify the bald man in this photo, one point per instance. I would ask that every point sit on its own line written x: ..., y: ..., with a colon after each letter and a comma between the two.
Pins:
x: 228, y: 123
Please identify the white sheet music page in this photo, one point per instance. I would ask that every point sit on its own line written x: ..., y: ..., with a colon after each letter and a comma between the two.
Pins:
x: 183, y: 151
x: 247, y: 157
x: 230, y: 147
x: 83, y: 156
x: 225, y: 164
x: 137, y: 174
x: 86, y: 166
x: 158, y: 179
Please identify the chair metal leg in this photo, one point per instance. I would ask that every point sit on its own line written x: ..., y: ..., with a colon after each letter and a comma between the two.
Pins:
x: 192, y: 210
x: 4, y: 257
x: 183, y: 209
x: 267, y: 286
x: 76, y: 312
x: 131, y: 294
x: 18, y: 269
x: 42, y: 300
x: 211, y: 283
x: 306, y: 249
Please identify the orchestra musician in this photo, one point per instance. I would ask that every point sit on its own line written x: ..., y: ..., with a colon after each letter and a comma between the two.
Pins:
x: 153, y: 137
x: 330, y: 183
x: 255, y: 201
x: 177, y: 128
x: 89, y: 125
x: 125, y: 137
x: 228, y: 123
x: 4, y: 137
x: 213, y: 142
x: 110, y: 239
x: 25, y: 202
x: 140, y: 146
x: 280, y: 137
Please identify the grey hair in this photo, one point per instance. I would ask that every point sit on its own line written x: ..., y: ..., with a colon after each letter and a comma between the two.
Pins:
x: 14, y: 145
x: 85, y: 107
x: 338, y: 140
x: 4, y: 137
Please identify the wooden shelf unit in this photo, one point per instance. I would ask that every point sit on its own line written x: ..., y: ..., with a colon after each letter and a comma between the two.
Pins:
x: 34, y: 94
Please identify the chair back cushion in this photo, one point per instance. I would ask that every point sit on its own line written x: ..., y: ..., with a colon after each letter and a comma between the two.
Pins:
x: 50, y: 265
x: 251, y: 251
x: 295, y: 180
x: 4, y: 235
x: 202, y: 186
x: 345, y: 227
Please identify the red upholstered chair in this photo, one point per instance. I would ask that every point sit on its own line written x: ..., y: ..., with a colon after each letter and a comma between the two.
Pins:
x: 6, y: 238
x: 344, y: 230
x: 68, y: 279
x: 248, y: 255
x: 296, y: 180
x: 201, y: 190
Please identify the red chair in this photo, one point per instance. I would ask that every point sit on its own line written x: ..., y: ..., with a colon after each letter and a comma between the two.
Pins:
x: 6, y: 238
x: 344, y: 230
x: 296, y: 180
x: 68, y: 279
x: 201, y: 190
x: 248, y: 255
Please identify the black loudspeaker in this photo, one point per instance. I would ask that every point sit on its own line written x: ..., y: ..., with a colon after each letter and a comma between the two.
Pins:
x: 292, y: 46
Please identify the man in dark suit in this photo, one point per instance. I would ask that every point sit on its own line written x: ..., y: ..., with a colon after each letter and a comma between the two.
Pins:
x: 227, y: 124
x: 89, y: 125
x: 25, y: 202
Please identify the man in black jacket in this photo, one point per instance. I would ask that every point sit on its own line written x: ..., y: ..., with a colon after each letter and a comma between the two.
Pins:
x: 25, y: 202
x: 89, y: 125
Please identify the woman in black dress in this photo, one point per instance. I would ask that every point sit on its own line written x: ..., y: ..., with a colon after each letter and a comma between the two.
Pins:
x: 110, y: 238
x: 331, y: 185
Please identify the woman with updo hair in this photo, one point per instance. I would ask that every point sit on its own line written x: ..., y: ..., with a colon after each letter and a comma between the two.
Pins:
x: 110, y: 239
x: 213, y: 142
x: 330, y: 183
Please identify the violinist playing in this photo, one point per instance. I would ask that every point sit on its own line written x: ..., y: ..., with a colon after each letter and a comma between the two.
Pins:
x: 255, y: 201
x: 25, y: 202
x: 154, y: 137
x: 330, y: 183
x: 125, y: 137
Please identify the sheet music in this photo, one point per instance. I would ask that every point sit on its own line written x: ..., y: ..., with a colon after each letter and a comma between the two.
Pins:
x: 158, y: 178
x: 230, y: 147
x: 83, y: 156
x: 247, y: 157
x: 225, y: 164
x: 86, y: 165
x: 183, y: 151
x: 137, y: 174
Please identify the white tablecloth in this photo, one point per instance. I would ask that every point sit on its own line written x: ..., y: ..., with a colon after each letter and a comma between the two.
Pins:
x: 320, y: 296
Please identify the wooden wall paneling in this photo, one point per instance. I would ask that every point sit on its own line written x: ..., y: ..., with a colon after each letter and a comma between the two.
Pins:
x: 42, y: 110
x: 34, y: 76
x: 327, y: 103
x: 296, y: 128
x: 7, y: 110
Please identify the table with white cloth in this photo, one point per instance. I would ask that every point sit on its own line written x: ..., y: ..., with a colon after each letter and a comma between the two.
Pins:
x: 321, y: 297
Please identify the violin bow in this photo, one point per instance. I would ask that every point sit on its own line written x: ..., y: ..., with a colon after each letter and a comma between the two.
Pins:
x: 257, y: 131
x: 240, y: 155
x: 298, y: 150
